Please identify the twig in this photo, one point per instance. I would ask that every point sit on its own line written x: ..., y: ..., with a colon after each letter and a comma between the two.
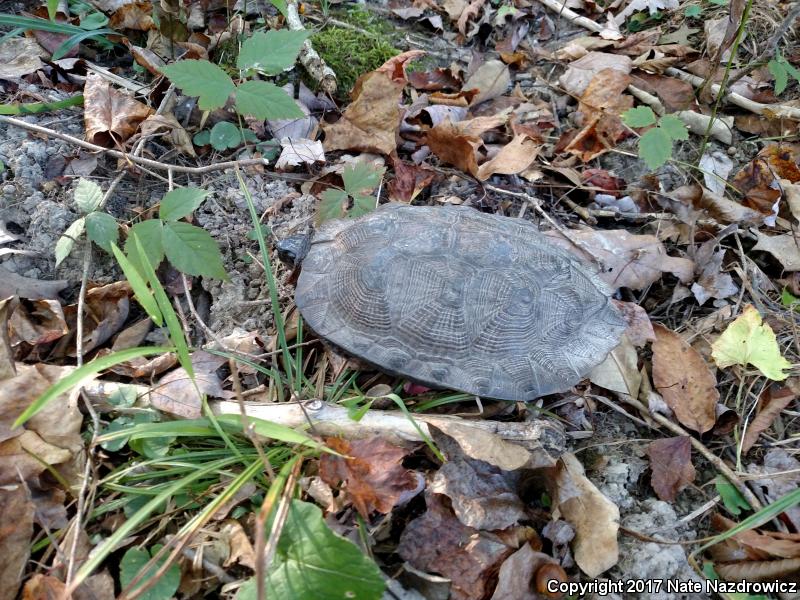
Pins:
x: 154, y: 164
x: 718, y: 463
x: 562, y: 10
x: 309, y: 58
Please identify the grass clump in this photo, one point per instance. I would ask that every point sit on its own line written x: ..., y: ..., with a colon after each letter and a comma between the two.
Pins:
x: 351, y: 53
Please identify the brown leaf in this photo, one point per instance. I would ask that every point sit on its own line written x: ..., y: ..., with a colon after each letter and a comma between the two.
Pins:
x: 674, y: 93
x: 37, y: 322
x: 619, y: 370
x: 43, y: 587
x: 20, y: 56
x: 759, y: 544
x: 491, y: 80
x: 458, y: 143
x: 766, y: 570
x: 516, y: 156
x: 134, y: 15
x: 472, y: 557
x: 689, y: 201
x: 482, y: 496
x: 16, y: 530
x: 7, y: 368
x: 107, y: 308
x: 12, y: 284
x: 169, y: 129
x: 594, y: 517
x: 683, y: 378
x: 627, y: 260
x: 581, y: 72
x: 432, y: 81
x: 640, y: 329
x: 110, y: 116
x: 517, y: 573
x: 371, y: 122
x: 176, y: 394
x: 471, y: 10
x: 374, y: 478
x: 772, y: 402
x: 671, y: 463
x: 409, y: 180
x: 783, y: 247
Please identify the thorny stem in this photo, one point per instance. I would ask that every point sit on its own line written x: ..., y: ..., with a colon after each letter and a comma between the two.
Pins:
x: 724, y: 83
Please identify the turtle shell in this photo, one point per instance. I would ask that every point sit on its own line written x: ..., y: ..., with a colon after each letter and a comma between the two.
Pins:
x: 454, y: 298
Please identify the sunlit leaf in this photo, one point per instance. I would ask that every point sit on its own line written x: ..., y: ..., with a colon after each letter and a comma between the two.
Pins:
x: 203, y: 79
x: 66, y: 242
x: 655, y: 147
x: 88, y: 195
x: 180, y: 202
x: 641, y: 116
x: 102, y: 229
x: 192, y: 250
x: 264, y: 100
x: 271, y: 52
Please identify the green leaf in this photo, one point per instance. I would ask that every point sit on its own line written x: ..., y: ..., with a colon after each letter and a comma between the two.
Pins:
x: 134, y: 561
x: 271, y: 52
x: 66, y: 242
x: 120, y: 424
x: 88, y: 195
x: 180, y: 202
x: 150, y: 234
x: 748, y: 341
x: 192, y: 250
x: 719, y: 2
x: 655, y: 147
x: 361, y: 206
x: 102, y: 229
x: 52, y: 9
x: 203, y: 79
x: 94, y: 20
x: 674, y: 127
x: 693, y: 11
x: 794, y: 72
x: 641, y: 116
x: 81, y: 374
x: 202, y: 138
x: 313, y: 563
x: 264, y: 100
x: 787, y: 299
x: 731, y: 497
x: 225, y: 135
x: 332, y: 205
x: 361, y: 178
x: 141, y: 292
x: 781, y: 75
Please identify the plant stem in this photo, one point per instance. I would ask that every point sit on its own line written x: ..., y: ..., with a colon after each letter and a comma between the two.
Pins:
x: 722, y: 90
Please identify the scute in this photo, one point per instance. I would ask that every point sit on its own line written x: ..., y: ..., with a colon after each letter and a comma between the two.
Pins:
x: 454, y: 298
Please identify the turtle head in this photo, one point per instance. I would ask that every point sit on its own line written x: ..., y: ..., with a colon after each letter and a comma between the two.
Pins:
x: 293, y: 249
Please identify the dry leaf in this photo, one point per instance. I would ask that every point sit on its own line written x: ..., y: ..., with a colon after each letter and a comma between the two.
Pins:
x: 458, y: 143
x: 581, y: 72
x: 16, y: 530
x: 409, y: 180
x: 640, y: 329
x: 491, y: 80
x: 516, y: 156
x: 516, y: 576
x: 594, y: 517
x: 371, y: 471
x: 176, y: 394
x: 628, y: 260
x: 619, y: 371
x: 783, y: 247
x: 684, y: 380
x: 771, y: 404
x: 299, y: 152
x: 134, y: 15
x: 472, y: 557
x: 169, y: 129
x: 12, y: 284
x: 671, y: 463
x: 110, y: 116
x: 20, y: 56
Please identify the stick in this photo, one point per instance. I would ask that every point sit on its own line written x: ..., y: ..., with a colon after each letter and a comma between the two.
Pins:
x: 309, y: 58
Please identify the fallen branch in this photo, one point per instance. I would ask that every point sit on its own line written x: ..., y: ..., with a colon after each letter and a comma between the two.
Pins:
x: 333, y: 420
x: 312, y: 62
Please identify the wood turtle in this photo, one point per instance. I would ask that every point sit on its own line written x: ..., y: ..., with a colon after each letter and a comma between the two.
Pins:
x: 454, y: 298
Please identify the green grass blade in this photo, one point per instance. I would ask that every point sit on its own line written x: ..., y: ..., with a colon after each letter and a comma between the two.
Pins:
x: 52, y: 8
x: 273, y: 431
x: 82, y: 373
x: 76, y: 39
x: 140, y: 290
x: 39, y: 24
x: 33, y: 108
x: 428, y: 441
x: 171, y: 319
x: 273, y: 288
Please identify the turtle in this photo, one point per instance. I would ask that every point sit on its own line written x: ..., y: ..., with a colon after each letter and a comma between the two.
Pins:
x: 454, y: 298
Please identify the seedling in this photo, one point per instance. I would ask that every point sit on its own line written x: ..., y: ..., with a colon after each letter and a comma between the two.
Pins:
x: 356, y: 199
x: 781, y: 69
x: 100, y: 227
x: 655, y: 145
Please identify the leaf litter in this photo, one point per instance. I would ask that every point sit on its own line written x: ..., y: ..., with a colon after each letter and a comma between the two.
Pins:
x: 519, y: 111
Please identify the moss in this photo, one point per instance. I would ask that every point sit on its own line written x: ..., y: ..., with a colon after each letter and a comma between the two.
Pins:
x: 352, y: 53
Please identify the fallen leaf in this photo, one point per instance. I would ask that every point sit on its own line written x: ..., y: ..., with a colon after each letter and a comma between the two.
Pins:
x: 765, y: 544
x: 674, y: 93
x: 771, y: 403
x: 20, y: 56
x: 627, y: 260
x: 16, y: 531
x: 168, y: 128
x: 619, y: 371
x: 777, y: 476
x: 712, y: 282
x: 689, y: 202
x: 491, y: 80
x: 133, y: 15
x: 684, y: 380
x: 473, y: 557
x: 581, y: 72
x: 748, y: 341
x: 594, y: 517
x: 640, y: 329
x: 12, y: 284
x: 409, y: 180
x: 176, y: 394
x: 432, y: 81
x: 7, y: 367
x: 299, y: 152
x: 471, y: 10
x: 110, y: 116
x: 716, y: 167
x: 783, y: 247
x: 516, y: 156
x: 516, y: 576
x: 371, y: 471
x: 37, y: 322
x: 482, y: 496
x: 240, y: 550
x: 458, y: 143
x: 107, y: 308
x: 671, y: 463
